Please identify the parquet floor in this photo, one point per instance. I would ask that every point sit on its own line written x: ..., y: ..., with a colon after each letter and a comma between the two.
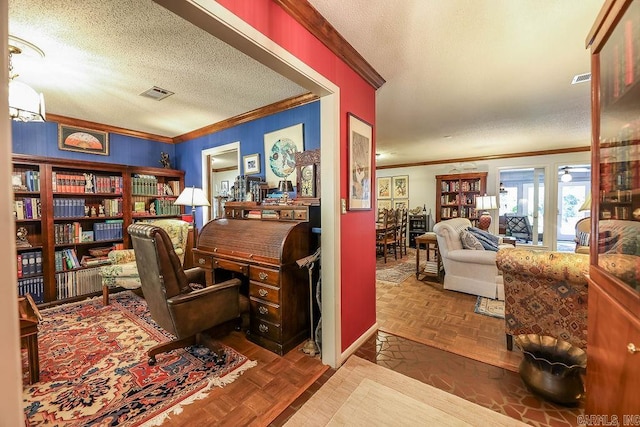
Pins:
x: 422, y: 311
x: 260, y: 394
x: 410, y: 315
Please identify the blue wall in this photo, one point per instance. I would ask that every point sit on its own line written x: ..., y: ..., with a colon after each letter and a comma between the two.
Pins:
x: 41, y: 139
x: 251, y: 137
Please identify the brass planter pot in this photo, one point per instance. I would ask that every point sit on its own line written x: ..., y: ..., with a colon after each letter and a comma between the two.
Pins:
x: 552, y: 368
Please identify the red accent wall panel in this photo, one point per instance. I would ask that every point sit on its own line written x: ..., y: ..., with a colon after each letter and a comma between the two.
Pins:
x: 357, y: 229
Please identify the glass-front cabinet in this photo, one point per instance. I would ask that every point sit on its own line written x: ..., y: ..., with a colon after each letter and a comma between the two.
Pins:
x: 618, y: 152
x: 613, y: 331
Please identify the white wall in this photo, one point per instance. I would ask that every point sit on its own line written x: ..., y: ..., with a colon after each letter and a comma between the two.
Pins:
x: 422, y: 182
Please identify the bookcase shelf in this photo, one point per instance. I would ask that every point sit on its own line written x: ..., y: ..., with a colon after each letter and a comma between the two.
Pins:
x: 74, y: 199
x: 456, y: 195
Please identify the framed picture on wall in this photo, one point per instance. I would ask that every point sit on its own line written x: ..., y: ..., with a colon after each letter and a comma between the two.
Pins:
x: 400, y: 203
x: 384, y: 204
x: 280, y: 147
x: 400, y: 187
x: 224, y: 188
x: 82, y: 140
x: 360, y: 135
x: 251, y: 163
x: 384, y: 187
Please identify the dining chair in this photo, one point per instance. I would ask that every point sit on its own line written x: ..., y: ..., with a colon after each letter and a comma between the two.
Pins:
x: 386, y: 234
x: 401, y: 230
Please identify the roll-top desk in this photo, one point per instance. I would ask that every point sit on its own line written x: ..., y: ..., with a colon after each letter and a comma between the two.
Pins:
x: 265, y: 252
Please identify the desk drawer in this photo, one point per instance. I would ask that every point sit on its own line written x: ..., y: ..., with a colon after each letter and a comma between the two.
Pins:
x: 264, y: 292
x: 265, y: 275
x: 261, y: 310
x: 238, y: 267
x: 203, y: 261
x: 266, y: 329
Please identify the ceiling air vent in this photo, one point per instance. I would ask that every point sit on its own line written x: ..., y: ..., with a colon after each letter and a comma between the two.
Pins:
x: 157, y: 93
x: 581, y: 78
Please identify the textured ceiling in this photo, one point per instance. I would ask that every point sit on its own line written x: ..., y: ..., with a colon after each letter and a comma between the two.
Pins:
x: 472, y: 77
x: 464, y: 78
x: 100, y: 55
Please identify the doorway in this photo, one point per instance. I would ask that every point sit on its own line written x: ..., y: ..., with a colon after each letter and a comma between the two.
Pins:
x: 222, y: 164
x: 574, y: 188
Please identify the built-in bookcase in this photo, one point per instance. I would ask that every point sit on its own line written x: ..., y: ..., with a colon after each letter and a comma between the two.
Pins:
x: 69, y: 214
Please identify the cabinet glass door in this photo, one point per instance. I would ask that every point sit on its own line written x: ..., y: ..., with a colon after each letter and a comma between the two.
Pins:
x: 618, y: 200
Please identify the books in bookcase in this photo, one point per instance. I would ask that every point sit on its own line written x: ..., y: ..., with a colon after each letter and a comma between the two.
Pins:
x: 29, y: 263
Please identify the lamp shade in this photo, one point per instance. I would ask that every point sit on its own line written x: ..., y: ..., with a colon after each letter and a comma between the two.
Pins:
x: 586, y: 206
x: 285, y: 186
x: 25, y: 104
x: 486, y: 202
x: 192, y: 196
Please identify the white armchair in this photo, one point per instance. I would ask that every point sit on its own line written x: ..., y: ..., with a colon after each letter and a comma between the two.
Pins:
x: 466, y: 270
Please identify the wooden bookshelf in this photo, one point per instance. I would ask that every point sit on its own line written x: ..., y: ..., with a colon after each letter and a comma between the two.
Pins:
x: 456, y: 195
x: 78, y: 208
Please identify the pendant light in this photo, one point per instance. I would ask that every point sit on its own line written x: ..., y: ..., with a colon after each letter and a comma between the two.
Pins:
x: 25, y: 104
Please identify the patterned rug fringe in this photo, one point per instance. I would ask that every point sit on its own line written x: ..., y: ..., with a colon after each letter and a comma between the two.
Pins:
x: 202, y: 394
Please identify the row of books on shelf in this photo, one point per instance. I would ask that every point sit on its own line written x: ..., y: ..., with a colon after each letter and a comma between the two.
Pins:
x: 78, y: 282
x: 25, y: 180
x: 66, y: 259
x: 148, y: 185
x: 33, y: 286
x: 29, y: 263
x: 27, y: 208
x: 68, y: 233
x: 455, y: 213
x: 450, y: 199
x: 166, y: 207
x: 69, y: 182
x: 621, y: 66
x: 72, y: 208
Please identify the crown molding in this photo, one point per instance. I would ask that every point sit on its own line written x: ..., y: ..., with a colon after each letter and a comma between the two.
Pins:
x: 305, y: 14
x: 258, y: 113
x: 64, y: 120
x: 491, y: 157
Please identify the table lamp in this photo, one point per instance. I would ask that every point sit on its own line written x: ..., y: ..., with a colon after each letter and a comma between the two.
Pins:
x: 192, y: 196
x: 484, y: 204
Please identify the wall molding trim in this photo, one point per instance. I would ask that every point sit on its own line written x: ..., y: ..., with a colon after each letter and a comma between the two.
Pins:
x: 258, y: 113
x: 106, y: 128
x: 249, y: 116
x: 303, y: 12
x: 491, y: 157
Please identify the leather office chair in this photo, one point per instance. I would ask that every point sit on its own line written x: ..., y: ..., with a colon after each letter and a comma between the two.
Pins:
x: 177, y: 299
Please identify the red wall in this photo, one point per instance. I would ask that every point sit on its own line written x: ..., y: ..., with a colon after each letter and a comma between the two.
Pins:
x: 356, y: 97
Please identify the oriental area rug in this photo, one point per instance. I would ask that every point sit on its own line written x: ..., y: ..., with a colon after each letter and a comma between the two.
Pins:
x: 490, y: 307
x: 94, y: 371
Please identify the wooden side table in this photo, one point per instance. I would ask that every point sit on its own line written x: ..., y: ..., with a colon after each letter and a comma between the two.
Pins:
x: 433, y: 264
x: 29, y: 318
x: 509, y: 240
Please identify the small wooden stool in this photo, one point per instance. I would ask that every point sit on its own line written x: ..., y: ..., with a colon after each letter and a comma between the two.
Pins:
x: 433, y: 264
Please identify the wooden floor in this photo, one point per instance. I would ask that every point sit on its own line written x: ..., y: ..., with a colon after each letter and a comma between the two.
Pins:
x: 418, y: 310
x: 259, y: 395
x: 421, y: 310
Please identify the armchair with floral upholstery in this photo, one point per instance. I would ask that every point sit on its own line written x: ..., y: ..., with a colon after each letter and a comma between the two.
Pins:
x: 123, y: 271
x: 545, y: 294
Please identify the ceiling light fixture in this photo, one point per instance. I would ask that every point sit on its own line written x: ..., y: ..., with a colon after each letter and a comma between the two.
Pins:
x: 25, y: 104
x: 566, y: 176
